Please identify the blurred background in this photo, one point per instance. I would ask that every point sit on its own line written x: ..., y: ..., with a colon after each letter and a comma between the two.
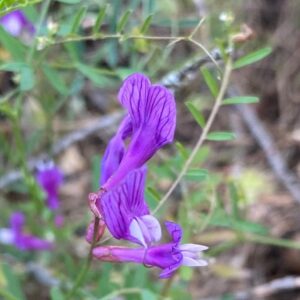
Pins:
x: 59, y: 102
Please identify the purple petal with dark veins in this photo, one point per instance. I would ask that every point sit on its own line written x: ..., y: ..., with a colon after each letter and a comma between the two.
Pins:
x: 115, y: 150
x: 153, y: 115
x: 124, y: 207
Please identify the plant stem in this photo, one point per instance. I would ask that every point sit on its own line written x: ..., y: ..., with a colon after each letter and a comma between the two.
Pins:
x: 45, y: 7
x: 203, y: 135
x: 82, y: 274
x: 166, y: 288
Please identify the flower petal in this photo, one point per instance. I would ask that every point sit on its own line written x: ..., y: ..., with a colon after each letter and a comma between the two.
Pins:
x: 192, y: 248
x: 175, y: 231
x: 153, y: 227
x: 6, y: 236
x: 132, y: 95
x: 120, y: 205
x: 137, y: 232
x: 29, y: 242
x: 153, y: 115
x: 50, y: 177
x: 168, y: 272
x: 115, y: 150
x: 190, y: 262
x: 17, y: 221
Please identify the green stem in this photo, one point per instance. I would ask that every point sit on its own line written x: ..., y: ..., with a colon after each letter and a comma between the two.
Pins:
x: 45, y: 7
x: 203, y: 135
x: 82, y: 274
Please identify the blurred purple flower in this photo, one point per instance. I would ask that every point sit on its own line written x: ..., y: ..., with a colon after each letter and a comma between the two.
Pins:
x: 15, y: 235
x: 16, y: 22
x: 168, y: 257
x: 150, y: 124
x: 50, y: 178
x: 126, y: 213
x: 59, y: 221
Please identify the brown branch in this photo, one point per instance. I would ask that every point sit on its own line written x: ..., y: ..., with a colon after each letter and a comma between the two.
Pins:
x: 267, y: 144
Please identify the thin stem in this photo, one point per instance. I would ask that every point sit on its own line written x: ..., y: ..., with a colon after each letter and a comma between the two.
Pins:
x: 197, y: 27
x: 45, y: 7
x: 123, y: 37
x: 166, y: 288
x: 204, y: 50
x: 203, y: 135
x: 82, y: 274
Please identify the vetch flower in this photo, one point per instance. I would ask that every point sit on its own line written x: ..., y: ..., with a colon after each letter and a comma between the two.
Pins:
x: 126, y: 213
x: 16, y: 22
x: 115, y: 150
x: 150, y: 124
x: 15, y: 235
x: 50, y: 178
x: 168, y: 257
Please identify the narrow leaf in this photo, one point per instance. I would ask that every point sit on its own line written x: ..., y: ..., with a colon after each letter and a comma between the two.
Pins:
x: 27, y: 79
x: 196, y: 174
x: 7, y: 6
x: 12, y: 45
x: 78, y: 18
x: 184, y: 153
x: 240, y: 100
x: 196, y: 114
x: 95, y: 75
x: 220, y: 136
x: 123, y: 21
x: 153, y: 193
x: 252, y: 57
x: 55, y: 79
x: 145, y: 26
x: 100, y: 19
x: 210, y: 81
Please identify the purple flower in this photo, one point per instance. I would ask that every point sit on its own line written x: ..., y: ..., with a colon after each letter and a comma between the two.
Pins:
x: 150, y: 123
x: 15, y: 235
x: 50, y: 178
x: 16, y: 22
x: 126, y: 213
x: 115, y: 150
x: 168, y: 257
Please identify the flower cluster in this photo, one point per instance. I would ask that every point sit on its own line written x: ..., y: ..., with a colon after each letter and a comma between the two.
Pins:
x: 50, y: 178
x: 120, y: 204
